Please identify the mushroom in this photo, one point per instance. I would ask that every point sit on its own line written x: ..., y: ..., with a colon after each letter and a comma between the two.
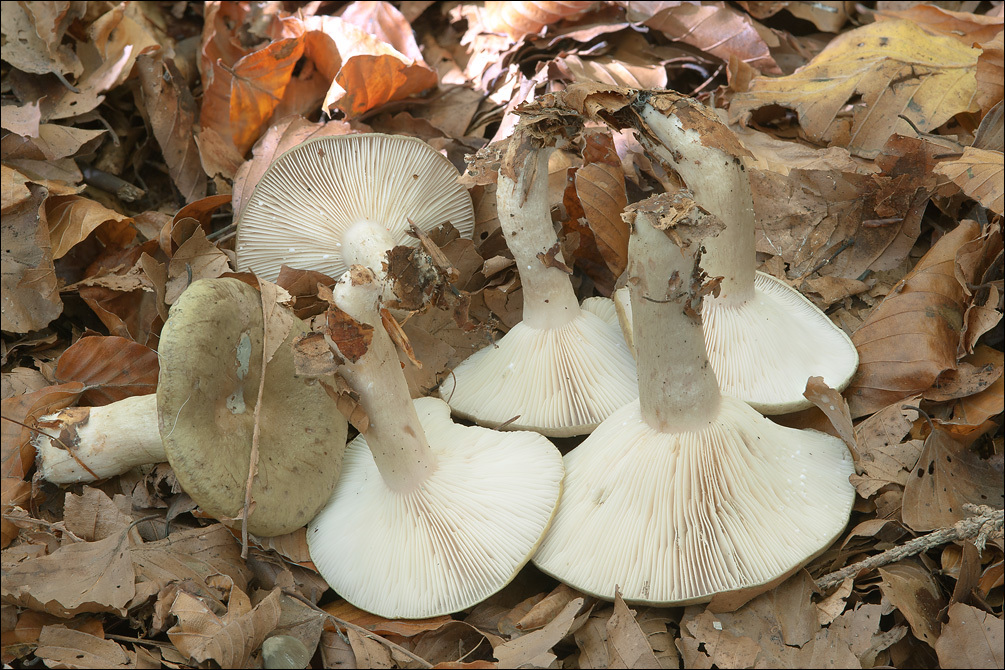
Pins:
x: 428, y: 516
x: 563, y: 369
x: 332, y: 202
x: 202, y: 418
x: 764, y: 338
x: 687, y: 493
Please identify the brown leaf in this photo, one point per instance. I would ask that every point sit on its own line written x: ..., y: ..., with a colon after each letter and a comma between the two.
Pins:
x: 111, y: 368
x: 946, y: 476
x: 82, y: 577
x: 518, y: 19
x: 834, y: 406
x: 534, y: 648
x: 171, y: 109
x: 197, y: 258
x: 93, y: 516
x: 883, y: 457
x: 627, y: 646
x: 714, y: 27
x: 229, y: 639
x: 63, y: 647
x: 350, y: 336
x: 971, y: 639
x: 72, y: 218
x: 600, y: 185
x: 386, y: 23
x: 990, y: 71
x: 911, y: 337
x: 29, y: 286
x: 963, y: 26
x: 981, y: 175
x: 971, y: 412
x: 912, y: 589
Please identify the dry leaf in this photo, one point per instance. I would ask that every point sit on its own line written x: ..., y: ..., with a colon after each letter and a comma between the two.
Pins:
x: 981, y: 175
x: 911, y: 337
x: 893, y: 67
x: 62, y: 647
x: 229, y: 639
x: 111, y: 368
x: 28, y: 277
x: 72, y: 218
x: 971, y: 639
x: 627, y: 646
x: 912, y: 589
x: 534, y: 647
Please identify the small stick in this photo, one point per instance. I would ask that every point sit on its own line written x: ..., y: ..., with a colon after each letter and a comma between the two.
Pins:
x: 988, y: 523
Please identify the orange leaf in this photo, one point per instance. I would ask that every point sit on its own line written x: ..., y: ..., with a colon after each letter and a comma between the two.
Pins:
x: 113, y: 368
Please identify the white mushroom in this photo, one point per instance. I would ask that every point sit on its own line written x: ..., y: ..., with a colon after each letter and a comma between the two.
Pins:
x: 764, y: 338
x: 562, y: 370
x: 332, y: 202
x: 687, y: 493
x: 428, y: 516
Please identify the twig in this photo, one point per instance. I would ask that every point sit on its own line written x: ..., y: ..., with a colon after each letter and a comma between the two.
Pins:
x: 987, y: 524
x: 359, y: 629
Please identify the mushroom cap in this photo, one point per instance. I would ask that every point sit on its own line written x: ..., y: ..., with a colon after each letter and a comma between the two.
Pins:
x: 764, y: 350
x: 310, y: 195
x: 455, y: 540
x: 675, y: 518
x: 210, y: 355
x: 560, y: 381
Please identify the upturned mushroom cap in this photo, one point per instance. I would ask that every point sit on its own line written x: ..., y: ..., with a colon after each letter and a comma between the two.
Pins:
x: 560, y: 381
x: 211, y: 359
x: 764, y: 350
x: 335, y: 201
x: 675, y: 518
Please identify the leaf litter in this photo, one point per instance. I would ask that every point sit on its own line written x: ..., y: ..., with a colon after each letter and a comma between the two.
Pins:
x: 134, y: 131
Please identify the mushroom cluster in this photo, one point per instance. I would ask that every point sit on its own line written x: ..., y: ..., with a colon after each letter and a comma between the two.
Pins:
x: 686, y: 492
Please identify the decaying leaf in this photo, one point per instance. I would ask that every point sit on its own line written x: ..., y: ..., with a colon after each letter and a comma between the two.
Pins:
x: 229, y: 639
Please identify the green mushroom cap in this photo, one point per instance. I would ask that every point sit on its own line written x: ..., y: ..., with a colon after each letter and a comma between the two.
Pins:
x: 211, y: 359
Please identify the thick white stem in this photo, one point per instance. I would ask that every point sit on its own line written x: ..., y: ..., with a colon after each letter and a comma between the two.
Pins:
x: 677, y: 387
x: 104, y: 441
x: 394, y: 436
x: 367, y: 244
x: 719, y: 183
x: 549, y: 300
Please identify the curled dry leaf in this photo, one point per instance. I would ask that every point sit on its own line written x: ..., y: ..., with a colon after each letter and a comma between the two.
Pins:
x: 911, y: 337
x: 518, y: 19
x: 981, y: 175
x: 894, y: 67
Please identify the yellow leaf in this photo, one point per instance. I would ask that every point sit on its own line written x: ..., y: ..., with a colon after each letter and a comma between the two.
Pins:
x: 979, y: 173
x: 854, y: 92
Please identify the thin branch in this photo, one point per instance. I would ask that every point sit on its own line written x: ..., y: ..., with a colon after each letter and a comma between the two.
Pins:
x: 987, y: 524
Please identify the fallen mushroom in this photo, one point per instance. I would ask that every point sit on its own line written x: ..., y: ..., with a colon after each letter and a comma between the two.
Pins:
x: 563, y: 369
x: 202, y: 417
x: 333, y: 202
x: 428, y: 516
x: 765, y: 339
x: 686, y: 492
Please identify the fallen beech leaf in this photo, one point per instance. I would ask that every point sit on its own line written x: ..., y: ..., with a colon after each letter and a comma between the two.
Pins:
x: 28, y: 277
x: 714, y: 27
x: 111, y: 368
x: 912, y: 590
x: 94, y: 516
x: 834, y: 407
x: 972, y: 638
x: 894, y: 66
x: 72, y: 218
x: 946, y: 476
x: 229, y: 639
x: 197, y: 258
x: 991, y: 72
x: 535, y: 647
x: 82, y: 577
x: 171, y: 109
x: 626, y: 643
x: 981, y: 175
x: 518, y: 19
x: 345, y: 611
x: 62, y: 647
x: 970, y: 412
x: 25, y: 47
x: 30, y: 624
x: 966, y: 27
x: 911, y: 337
x: 385, y: 22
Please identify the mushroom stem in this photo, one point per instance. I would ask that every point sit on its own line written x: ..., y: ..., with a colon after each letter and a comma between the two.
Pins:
x: 719, y: 183
x: 394, y: 435
x: 104, y: 441
x: 367, y: 243
x: 549, y: 300
x: 678, y: 390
